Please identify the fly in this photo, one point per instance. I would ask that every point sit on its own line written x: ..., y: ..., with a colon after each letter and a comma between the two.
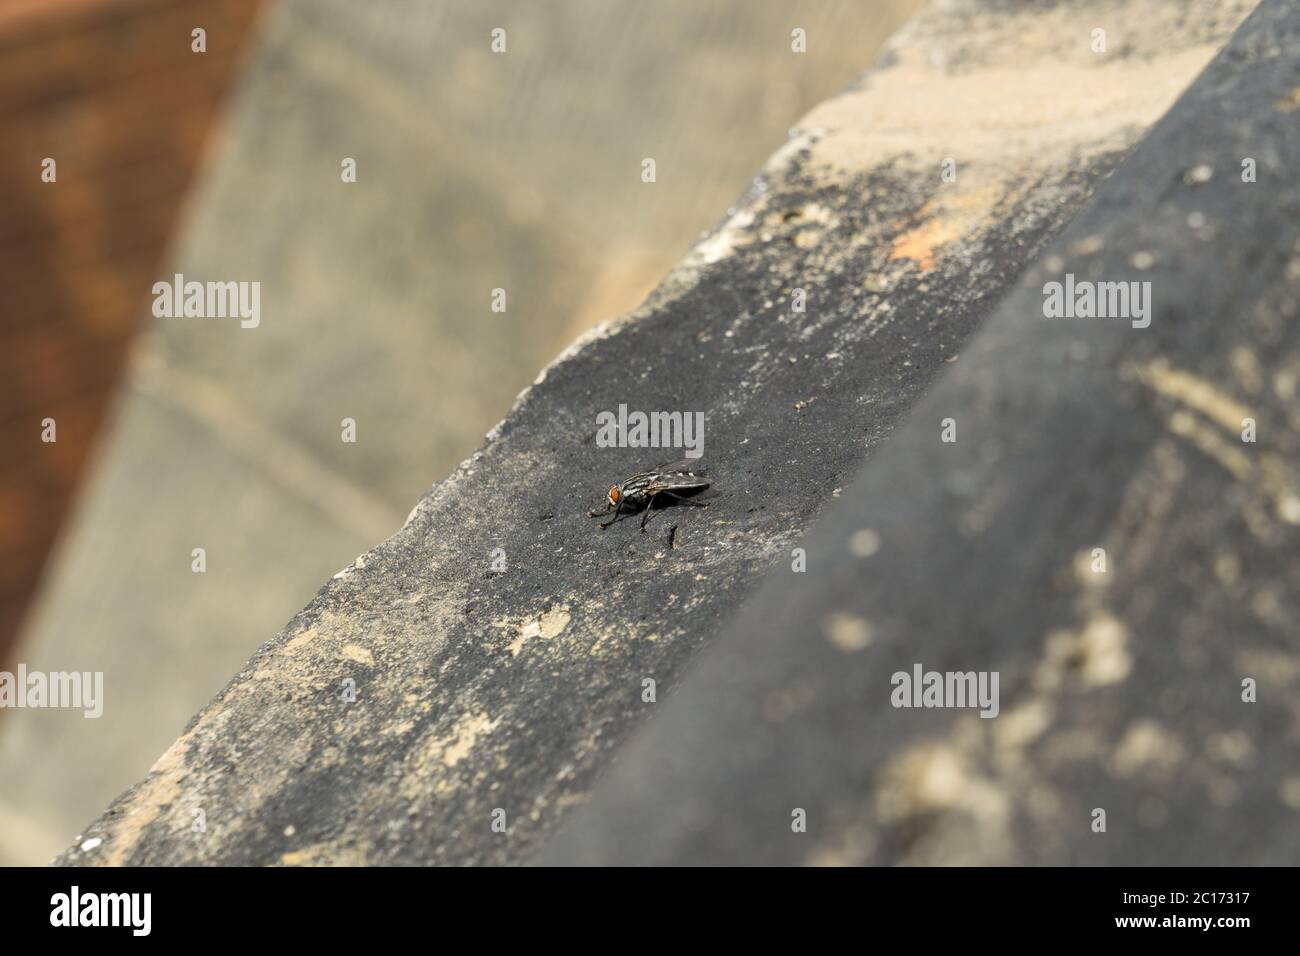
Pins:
x: 675, y: 482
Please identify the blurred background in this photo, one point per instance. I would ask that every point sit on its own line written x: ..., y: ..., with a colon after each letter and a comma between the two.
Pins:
x: 475, y: 171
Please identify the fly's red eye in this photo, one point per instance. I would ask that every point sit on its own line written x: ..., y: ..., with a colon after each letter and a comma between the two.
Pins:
x: 613, y: 493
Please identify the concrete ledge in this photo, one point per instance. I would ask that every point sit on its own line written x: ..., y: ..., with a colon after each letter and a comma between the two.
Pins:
x: 487, y: 696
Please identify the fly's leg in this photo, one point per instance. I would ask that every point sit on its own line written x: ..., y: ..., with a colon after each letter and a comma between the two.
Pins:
x: 676, y: 497
x: 596, y: 514
x: 606, y: 524
x: 649, y: 505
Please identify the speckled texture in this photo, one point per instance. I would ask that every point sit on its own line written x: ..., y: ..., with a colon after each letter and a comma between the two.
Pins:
x: 1120, y: 689
x: 478, y: 690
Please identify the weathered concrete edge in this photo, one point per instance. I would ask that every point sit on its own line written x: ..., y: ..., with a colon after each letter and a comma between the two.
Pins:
x: 269, y: 667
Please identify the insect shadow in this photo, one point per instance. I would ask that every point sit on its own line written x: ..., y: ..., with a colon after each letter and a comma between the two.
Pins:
x: 647, y: 491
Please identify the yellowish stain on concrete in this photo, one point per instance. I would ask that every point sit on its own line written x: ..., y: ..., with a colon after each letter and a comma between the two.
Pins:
x: 1288, y: 509
x: 1018, y: 728
x: 429, y: 762
x: 1291, y: 102
x: 1230, y: 457
x: 847, y: 633
x: 554, y: 621
x: 302, y: 640
x: 1281, y: 668
x: 355, y: 652
x: 851, y: 846
x: 1149, y: 498
x: 1196, y: 393
x: 923, y: 243
x: 959, y: 212
x: 1232, y: 747
x: 323, y: 854
x: 1267, y: 474
x: 1094, y: 655
x: 1085, y: 567
x: 1146, y: 748
x: 955, y: 796
x: 937, y: 778
x: 399, y: 730
x: 467, y: 733
x: 1088, y: 246
x: 161, y: 789
x: 547, y: 625
x: 731, y: 235
x: 1245, y: 365
x: 171, y: 790
x: 1270, y: 478
x: 305, y: 857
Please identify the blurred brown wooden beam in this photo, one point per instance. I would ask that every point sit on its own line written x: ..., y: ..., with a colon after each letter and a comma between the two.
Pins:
x: 112, y: 91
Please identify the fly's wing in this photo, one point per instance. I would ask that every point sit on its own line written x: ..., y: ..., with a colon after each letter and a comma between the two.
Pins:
x: 689, y: 466
x: 680, y: 481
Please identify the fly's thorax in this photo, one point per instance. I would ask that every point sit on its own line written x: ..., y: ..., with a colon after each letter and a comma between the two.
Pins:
x: 636, y: 487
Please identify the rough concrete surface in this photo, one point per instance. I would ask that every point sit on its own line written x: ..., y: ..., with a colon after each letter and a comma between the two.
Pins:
x: 1121, y: 689
x: 478, y: 690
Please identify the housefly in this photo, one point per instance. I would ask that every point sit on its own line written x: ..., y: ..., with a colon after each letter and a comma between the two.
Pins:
x: 674, y: 482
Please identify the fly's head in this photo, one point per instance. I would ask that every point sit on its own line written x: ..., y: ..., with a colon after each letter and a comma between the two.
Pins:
x: 614, y: 495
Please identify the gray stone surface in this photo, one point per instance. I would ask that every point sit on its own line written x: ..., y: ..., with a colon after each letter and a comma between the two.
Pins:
x: 479, y: 691
x: 1119, y: 690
